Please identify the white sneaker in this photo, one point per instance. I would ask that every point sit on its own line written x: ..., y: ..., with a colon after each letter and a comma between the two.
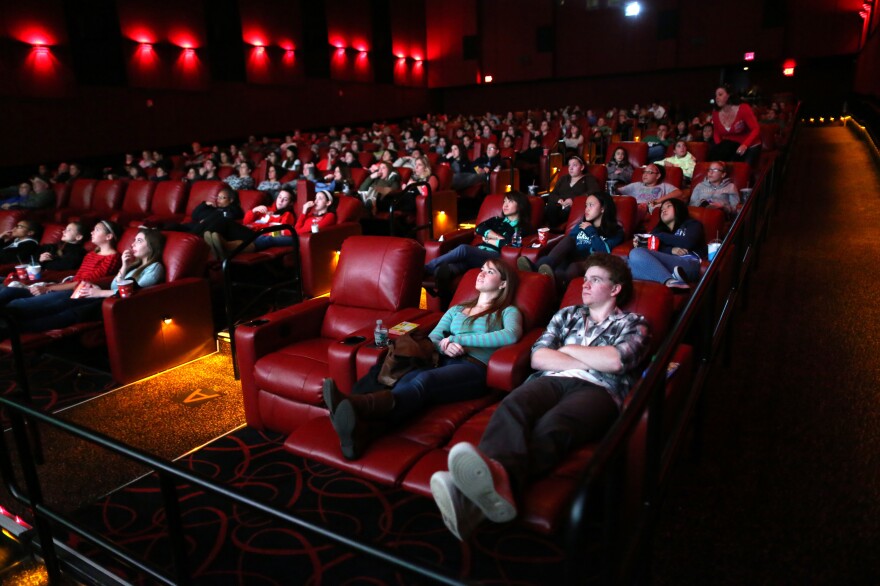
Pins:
x: 460, y: 515
x: 482, y: 480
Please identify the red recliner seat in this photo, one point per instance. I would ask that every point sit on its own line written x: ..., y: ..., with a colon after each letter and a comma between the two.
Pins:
x: 167, y: 203
x: 547, y: 498
x: 81, y: 193
x: 283, y: 361
x: 490, y: 207
x: 139, y: 341
x: 106, y: 200
x: 318, y: 252
x: 739, y: 173
x: 136, y: 203
x: 389, y: 457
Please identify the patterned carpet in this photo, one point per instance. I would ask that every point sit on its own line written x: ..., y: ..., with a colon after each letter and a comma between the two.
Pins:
x: 235, y: 545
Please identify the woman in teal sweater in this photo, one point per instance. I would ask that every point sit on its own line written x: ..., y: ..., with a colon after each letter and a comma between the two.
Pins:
x: 465, y: 337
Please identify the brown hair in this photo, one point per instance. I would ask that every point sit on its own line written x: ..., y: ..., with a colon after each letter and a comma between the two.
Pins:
x: 504, y: 298
x: 618, y: 273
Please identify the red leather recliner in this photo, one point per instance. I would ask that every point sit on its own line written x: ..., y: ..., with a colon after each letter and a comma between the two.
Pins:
x: 390, y: 457
x: 81, y: 192
x: 136, y: 203
x: 106, y: 200
x: 167, y: 204
x: 283, y: 361
x: 637, y: 151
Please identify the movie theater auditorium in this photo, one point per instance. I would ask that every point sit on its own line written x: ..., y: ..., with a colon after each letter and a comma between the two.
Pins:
x: 180, y: 428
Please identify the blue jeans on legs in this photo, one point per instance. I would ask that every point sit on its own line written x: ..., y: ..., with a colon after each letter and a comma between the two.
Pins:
x: 8, y: 294
x: 266, y: 241
x: 461, y: 258
x: 542, y: 421
x: 653, y: 265
x: 454, y: 380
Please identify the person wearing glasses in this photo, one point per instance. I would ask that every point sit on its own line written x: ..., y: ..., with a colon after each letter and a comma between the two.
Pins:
x: 651, y: 191
x: 588, y: 359
x: 716, y: 191
x: 20, y: 243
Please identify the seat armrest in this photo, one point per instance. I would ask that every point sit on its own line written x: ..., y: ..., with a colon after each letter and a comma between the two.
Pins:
x: 435, y: 248
x: 139, y: 341
x: 511, y: 365
x: 318, y: 256
x: 282, y: 327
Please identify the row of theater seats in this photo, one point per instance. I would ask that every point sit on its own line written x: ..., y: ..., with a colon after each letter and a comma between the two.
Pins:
x: 284, y: 360
x: 159, y: 327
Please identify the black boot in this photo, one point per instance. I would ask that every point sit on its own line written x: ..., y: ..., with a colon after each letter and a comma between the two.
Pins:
x: 332, y: 396
x: 356, y: 421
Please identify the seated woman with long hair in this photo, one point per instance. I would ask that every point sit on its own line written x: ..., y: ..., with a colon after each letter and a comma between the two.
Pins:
x: 496, y: 232
x: 227, y: 235
x: 598, y: 232
x: 465, y: 337
x: 141, y: 264
x: 100, y: 262
x: 682, y: 244
x: 619, y: 167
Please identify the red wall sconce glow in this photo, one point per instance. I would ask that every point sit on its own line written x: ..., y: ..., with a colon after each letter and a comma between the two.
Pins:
x: 289, y: 57
x: 41, y: 61
x: 34, y: 34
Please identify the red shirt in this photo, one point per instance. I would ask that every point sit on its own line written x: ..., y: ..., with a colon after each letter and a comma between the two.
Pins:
x: 304, y: 222
x: 270, y: 218
x: 94, y: 266
x: 744, y: 130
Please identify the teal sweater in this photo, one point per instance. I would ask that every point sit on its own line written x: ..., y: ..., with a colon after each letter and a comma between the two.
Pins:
x: 475, y: 336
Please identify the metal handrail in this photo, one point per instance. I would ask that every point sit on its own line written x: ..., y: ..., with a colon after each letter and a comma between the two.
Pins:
x: 168, y: 474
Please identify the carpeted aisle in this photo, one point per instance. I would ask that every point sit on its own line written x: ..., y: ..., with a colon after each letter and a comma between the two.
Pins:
x: 788, y: 490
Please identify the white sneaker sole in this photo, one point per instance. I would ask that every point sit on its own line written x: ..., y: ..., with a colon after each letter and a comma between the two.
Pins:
x: 442, y: 487
x: 473, y: 478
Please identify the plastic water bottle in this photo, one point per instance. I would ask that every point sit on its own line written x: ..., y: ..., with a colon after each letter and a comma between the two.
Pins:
x: 380, y: 334
x: 516, y: 240
x: 315, y: 222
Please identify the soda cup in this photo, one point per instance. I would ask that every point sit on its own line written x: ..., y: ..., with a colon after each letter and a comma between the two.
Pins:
x: 126, y: 288
x: 653, y: 242
x: 21, y: 272
x: 34, y: 272
x: 713, y: 249
x: 542, y: 235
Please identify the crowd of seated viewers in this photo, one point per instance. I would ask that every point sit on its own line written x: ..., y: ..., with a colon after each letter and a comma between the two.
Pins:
x: 589, y: 355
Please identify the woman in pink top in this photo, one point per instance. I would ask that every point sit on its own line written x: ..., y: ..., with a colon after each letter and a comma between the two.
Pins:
x: 737, y: 134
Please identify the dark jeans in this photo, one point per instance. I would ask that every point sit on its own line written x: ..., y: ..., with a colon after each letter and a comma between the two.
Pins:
x: 565, y: 260
x: 53, y: 310
x: 542, y: 421
x: 726, y: 151
x: 454, y: 380
x: 461, y: 258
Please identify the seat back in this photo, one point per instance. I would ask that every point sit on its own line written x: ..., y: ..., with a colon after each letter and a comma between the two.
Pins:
x: 348, y: 209
x: 52, y: 233
x: 81, y: 193
x: 600, y: 172
x: 168, y: 198
x: 248, y: 199
x: 700, y: 150
x: 534, y: 296
x: 202, y: 191
x: 501, y: 182
x: 62, y: 194
x: 108, y: 195
x: 739, y: 173
x: 9, y: 218
x: 444, y: 176
x: 224, y: 172
x: 405, y: 174
x: 139, y: 196
x: 651, y: 300
x: 637, y: 151
x: 376, y: 275
x: 358, y: 176
x: 366, y: 158
x: 185, y: 255
x: 712, y: 219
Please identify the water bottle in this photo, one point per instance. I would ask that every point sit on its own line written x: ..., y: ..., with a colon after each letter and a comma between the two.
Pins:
x: 516, y: 240
x: 380, y: 334
x: 315, y: 222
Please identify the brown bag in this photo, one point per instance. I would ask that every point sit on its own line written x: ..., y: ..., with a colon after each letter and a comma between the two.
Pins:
x: 406, y: 352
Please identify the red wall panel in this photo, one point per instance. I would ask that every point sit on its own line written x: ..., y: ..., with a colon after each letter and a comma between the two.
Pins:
x: 349, y: 30
x: 408, y: 42
x: 509, y: 39
x: 447, y: 23
x: 272, y: 31
x: 176, y: 32
x: 37, y: 63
